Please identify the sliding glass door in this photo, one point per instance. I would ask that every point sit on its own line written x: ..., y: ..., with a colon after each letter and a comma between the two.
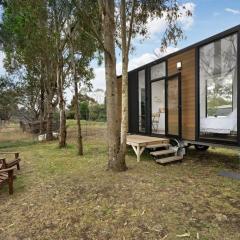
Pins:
x: 158, y: 116
x: 158, y: 107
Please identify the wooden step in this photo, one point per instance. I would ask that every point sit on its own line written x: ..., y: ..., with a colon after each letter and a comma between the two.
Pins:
x: 163, y: 152
x: 158, y: 145
x: 169, y: 159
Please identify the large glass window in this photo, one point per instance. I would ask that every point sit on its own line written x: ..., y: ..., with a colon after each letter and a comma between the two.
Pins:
x: 142, y: 101
x: 218, y: 89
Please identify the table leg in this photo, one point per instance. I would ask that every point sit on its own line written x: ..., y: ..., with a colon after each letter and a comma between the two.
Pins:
x: 138, y: 150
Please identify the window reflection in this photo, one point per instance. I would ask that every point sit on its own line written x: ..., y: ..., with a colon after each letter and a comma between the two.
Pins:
x: 218, y: 89
x: 158, y: 71
x: 158, y: 107
x: 142, y: 101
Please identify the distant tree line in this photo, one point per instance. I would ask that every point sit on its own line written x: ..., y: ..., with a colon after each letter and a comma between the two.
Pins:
x: 90, y: 109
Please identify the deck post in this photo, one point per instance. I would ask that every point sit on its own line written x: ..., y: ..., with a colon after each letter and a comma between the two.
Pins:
x: 138, y: 150
x: 138, y: 153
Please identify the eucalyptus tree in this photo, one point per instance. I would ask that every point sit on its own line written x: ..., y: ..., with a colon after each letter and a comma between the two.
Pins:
x: 58, y: 13
x: 27, y: 45
x: 82, y: 48
x: 9, y: 99
x: 133, y: 21
x: 34, y: 41
x: 108, y: 40
x: 120, y: 21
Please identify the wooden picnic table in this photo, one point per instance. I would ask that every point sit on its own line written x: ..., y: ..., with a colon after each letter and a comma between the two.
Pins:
x: 140, y: 142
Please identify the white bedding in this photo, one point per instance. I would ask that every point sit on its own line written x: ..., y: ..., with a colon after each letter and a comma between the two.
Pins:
x: 221, y: 124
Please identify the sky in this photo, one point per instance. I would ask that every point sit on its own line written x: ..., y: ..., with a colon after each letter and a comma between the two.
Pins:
x: 209, y: 17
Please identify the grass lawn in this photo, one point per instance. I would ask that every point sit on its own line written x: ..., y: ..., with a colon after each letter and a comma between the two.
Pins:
x: 59, y: 195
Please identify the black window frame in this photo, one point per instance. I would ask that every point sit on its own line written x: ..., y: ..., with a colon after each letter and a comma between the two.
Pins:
x: 195, y: 46
x: 145, y: 71
x: 150, y: 81
x: 177, y: 75
x: 197, y: 80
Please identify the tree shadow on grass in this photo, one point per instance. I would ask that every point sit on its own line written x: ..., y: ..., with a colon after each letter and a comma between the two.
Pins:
x: 219, y: 157
x: 223, y: 158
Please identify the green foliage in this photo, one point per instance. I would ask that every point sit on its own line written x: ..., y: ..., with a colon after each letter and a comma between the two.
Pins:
x: 70, y: 115
x: 9, y: 98
x: 84, y: 110
x: 97, y: 112
x: 90, y: 109
x: 141, y: 12
x: 218, y: 94
x: 37, y: 37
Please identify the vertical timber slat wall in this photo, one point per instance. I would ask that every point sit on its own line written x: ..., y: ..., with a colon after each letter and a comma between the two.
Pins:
x: 188, y: 90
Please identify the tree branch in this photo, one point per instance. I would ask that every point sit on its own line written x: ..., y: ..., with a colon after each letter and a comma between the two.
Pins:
x: 131, y: 25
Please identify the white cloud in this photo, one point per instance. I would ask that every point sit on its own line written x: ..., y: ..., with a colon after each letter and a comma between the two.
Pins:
x: 167, y: 51
x: 154, y: 26
x: 99, y: 80
x: 231, y: 10
x: 139, y: 61
x: 158, y: 25
x: 187, y: 21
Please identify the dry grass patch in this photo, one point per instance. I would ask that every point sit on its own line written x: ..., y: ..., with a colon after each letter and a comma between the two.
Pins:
x: 59, y: 195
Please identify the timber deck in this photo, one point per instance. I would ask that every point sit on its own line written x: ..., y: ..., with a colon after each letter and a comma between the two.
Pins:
x: 140, y: 142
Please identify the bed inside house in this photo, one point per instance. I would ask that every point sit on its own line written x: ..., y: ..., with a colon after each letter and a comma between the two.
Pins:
x: 218, y: 89
x: 220, y: 124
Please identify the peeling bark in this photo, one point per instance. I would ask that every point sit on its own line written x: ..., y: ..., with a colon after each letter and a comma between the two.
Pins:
x: 115, y: 162
x: 49, y: 134
x: 42, y: 105
x: 79, y: 135
x: 62, y: 113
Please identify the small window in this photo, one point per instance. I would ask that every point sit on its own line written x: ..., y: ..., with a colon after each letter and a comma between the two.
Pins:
x: 158, y: 71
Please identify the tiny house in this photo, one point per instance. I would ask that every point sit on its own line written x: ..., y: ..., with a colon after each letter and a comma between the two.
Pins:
x: 192, y: 95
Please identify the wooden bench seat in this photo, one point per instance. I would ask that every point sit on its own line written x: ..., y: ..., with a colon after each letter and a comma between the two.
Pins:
x: 6, y: 176
x: 12, y: 162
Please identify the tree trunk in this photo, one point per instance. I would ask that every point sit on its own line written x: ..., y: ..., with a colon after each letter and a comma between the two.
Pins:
x: 124, y: 119
x: 79, y: 136
x: 62, y: 113
x: 41, y: 106
x: 115, y: 160
x: 49, y: 135
x: 77, y: 109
